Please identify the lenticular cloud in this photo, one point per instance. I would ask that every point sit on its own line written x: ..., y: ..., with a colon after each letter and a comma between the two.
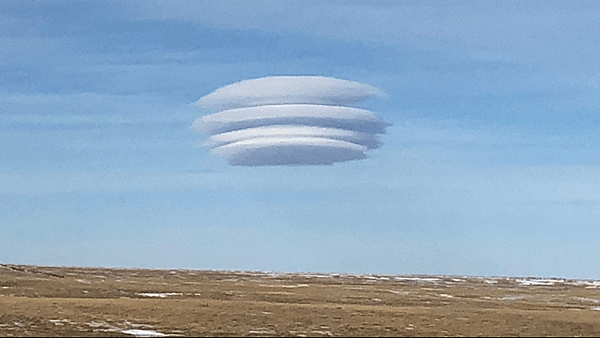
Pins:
x: 288, y: 90
x: 290, y: 120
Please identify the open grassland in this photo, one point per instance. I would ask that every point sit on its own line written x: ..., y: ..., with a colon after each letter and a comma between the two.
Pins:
x: 67, y: 301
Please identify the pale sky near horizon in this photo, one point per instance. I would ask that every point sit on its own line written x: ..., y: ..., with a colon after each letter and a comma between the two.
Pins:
x: 491, y: 165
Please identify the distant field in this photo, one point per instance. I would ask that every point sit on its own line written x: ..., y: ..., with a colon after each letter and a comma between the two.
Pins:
x: 61, y: 301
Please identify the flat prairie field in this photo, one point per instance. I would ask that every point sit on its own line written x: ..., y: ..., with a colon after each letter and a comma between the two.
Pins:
x: 70, y: 301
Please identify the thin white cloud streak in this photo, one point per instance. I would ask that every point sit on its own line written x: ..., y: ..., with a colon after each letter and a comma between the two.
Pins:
x: 535, y: 33
x: 506, y: 30
x: 25, y: 48
x: 39, y: 184
x: 89, y: 108
x: 288, y: 90
x: 290, y: 120
x: 95, y: 119
x: 424, y: 172
x: 82, y: 104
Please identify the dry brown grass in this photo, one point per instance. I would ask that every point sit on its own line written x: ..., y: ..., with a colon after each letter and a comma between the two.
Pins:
x: 59, y: 301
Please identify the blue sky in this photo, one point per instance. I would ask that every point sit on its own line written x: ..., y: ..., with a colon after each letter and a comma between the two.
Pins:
x: 491, y: 165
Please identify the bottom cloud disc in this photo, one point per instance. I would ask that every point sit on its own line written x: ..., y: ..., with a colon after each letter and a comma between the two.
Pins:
x: 290, y: 151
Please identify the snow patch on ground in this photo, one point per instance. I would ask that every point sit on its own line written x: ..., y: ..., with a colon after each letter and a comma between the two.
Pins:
x: 511, y: 298
x: 160, y: 295
x: 587, y: 300
x: 144, y: 333
x: 138, y: 330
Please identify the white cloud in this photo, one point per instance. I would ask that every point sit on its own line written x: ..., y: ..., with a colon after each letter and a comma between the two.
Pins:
x: 288, y: 90
x: 290, y: 151
x: 285, y: 114
x: 365, y: 139
x: 290, y: 120
x: 41, y: 183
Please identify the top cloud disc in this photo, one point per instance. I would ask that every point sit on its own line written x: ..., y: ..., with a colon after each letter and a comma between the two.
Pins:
x: 288, y: 90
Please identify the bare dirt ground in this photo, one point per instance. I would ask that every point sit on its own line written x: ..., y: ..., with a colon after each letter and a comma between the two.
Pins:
x: 61, y: 301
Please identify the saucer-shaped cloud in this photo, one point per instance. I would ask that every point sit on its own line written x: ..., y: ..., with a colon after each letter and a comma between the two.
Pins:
x: 290, y: 151
x: 299, y: 114
x: 288, y: 90
x: 368, y: 140
x: 290, y: 121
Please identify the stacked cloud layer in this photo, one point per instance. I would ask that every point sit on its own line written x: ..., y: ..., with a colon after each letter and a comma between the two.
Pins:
x: 290, y: 120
